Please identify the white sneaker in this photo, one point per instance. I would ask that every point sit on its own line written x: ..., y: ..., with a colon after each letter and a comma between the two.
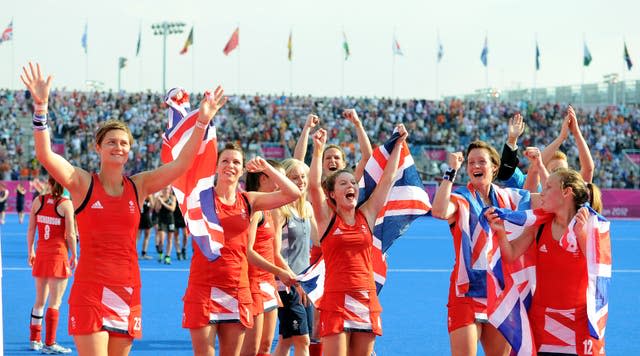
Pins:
x: 55, y: 349
x: 35, y: 345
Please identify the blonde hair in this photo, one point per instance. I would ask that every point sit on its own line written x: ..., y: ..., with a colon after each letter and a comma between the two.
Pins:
x: 300, y: 204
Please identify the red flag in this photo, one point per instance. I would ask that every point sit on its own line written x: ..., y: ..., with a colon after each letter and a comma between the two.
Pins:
x: 233, y: 42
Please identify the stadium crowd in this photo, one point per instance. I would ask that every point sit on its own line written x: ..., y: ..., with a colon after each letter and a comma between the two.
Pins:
x: 252, y: 120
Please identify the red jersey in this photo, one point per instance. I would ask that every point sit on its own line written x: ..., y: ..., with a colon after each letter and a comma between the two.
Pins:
x: 51, y: 228
x: 263, y: 245
x: 230, y: 269
x: 108, y: 227
x: 561, y: 276
x: 347, y: 251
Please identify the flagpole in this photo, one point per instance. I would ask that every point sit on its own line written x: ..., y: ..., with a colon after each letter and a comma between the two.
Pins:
x: 535, y: 72
x: 343, y: 63
x: 193, y: 60
x: 139, y: 57
x: 438, y: 65
x: 486, y: 67
x: 290, y: 57
x: 393, y: 65
x: 238, y: 59
x: 13, y: 58
x: 584, y: 44
x: 624, y: 72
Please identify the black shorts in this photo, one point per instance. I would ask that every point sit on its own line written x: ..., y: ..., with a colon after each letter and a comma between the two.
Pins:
x: 295, y: 319
x: 145, y: 222
x: 166, y: 227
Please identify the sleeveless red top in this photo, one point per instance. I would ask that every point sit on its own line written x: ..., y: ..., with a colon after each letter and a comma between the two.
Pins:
x: 230, y: 269
x: 561, y: 276
x: 51, y: 228
x: 263, y: 245
x: 347, y: 253
x: 107, y: 228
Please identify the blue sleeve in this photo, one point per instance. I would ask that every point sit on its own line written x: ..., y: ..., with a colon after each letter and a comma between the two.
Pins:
x: 516, y: 180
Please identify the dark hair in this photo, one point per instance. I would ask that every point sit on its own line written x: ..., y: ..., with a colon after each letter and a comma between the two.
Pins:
x: 329, y: 184
x: 582, y: 192
x: 56, y: 188
x: 493, y: 154
x: 252, y: 181
x: 328, y: 147
x: 111, y: 125
x: 231, y: 146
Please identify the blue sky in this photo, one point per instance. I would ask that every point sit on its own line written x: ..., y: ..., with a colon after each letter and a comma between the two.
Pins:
x: 50, y: 32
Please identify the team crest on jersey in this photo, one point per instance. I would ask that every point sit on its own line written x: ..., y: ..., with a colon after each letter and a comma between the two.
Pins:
x: 50, y: 201
x: 132, y: 206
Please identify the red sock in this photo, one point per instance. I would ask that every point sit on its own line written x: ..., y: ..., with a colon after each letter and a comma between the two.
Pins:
x: 315, y: 349
x: 51, y: 324
x: 36, y: 333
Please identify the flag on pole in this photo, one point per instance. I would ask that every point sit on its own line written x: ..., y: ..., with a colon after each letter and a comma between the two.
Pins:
x: 290, y: 47
x: 586, y: 59
x: 7, y: 34
x: 537, y: 56
x: 345, y: 46
x: 188, y: 42
x: 440, y: 50
x: 122, y: 62
x: 139, y: 40
x: 627, y: 57
x: 485, y: 52
x: 396, y: 46
x: 84, y: 38
x: 233, y: 42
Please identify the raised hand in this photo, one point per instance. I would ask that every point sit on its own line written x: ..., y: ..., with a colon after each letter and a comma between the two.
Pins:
x: 312, y: 121
x: 38, y: 86
x: 320, y: 138
x: 573, y: 123
x: 497, y: 224
x: 210, y: 105
x: 567, y: 123
x: 257, y: 165
x: 533, y: 154
x: 403, y: 134
x: 351, y: 115
x: 516, y: 128
x: 581, y: 222
x: 455, y: 159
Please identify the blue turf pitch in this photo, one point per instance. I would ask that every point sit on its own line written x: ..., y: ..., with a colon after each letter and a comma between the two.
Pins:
x: 414, y: 298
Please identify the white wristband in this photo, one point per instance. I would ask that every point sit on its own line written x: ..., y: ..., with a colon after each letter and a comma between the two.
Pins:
x: 40, y: 107
x: 201, y: 125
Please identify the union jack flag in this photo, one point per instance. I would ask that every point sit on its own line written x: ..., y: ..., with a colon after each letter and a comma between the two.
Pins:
x: 7, y: 34
x: 509, y: 297
x: 407, y: 200
x: 194, y: 189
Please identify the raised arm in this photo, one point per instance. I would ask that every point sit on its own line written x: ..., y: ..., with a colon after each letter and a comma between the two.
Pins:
x: 509, y: 159
x: 75, y: 179
x: 66, y: 208
x: 442, y: 206
x: 538, y: 173
x: 301, y: 146
x: 550, y: 149
x: 317, y: 197
x: 287, y: 193
x: 154, y: 180
x: 379, y: 195
x: 363, y: 141
x: 584, y: 155
x: 509, y: 250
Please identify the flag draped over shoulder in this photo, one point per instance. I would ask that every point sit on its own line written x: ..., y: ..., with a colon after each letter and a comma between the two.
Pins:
x: 473, y: 233
x: 407, y: 200
x: 509, y: 295
x: 194, y: 189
